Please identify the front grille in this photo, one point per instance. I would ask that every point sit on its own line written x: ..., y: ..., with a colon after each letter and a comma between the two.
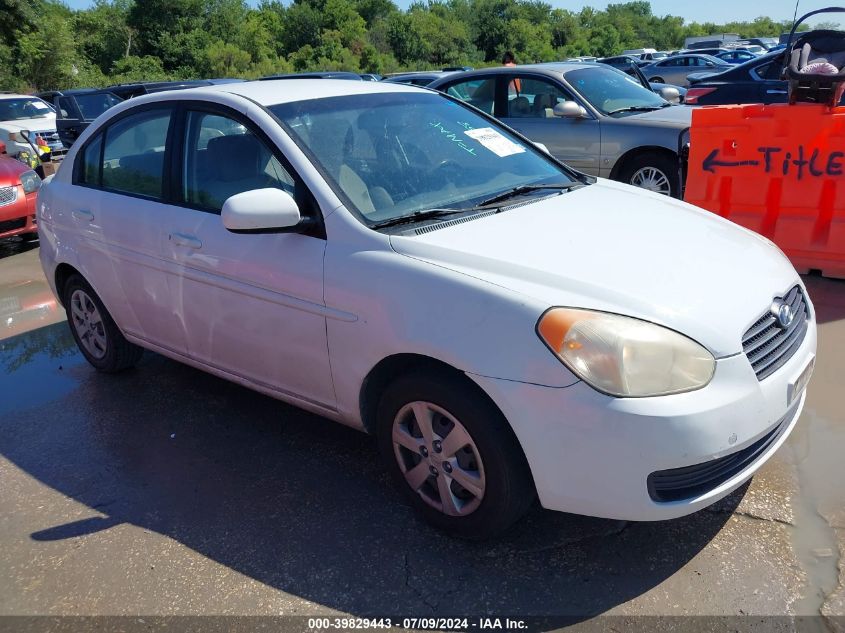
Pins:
x: 8, y: 195
x: 677, y: 484
x: 11, y: 225
x: 768, y: 345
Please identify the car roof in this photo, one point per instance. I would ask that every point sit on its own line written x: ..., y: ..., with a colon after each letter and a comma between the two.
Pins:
x: 329, y: 74
x: 272, y: 92
x: 14, y: 95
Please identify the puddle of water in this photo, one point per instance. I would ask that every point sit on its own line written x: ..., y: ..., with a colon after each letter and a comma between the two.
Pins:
x: 35, y: 366
x: 816, y: 449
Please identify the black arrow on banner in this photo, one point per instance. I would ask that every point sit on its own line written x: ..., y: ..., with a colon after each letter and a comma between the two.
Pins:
x: 710, y: 163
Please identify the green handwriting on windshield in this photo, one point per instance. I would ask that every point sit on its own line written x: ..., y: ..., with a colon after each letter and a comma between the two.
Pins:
x: 437, y: 125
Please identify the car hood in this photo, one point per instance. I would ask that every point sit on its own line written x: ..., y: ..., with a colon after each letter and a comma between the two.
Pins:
x: 33, y: 125
x: 10, y: 171
x: 679, y: 115
x: 618, y: 249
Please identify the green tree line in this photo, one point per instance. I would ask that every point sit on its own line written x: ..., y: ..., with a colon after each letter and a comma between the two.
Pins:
x: 46, y: 45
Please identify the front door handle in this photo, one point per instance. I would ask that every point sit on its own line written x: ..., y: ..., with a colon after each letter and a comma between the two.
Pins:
x: 775, y: 92
x: 182, y: 239
x: 83, y: 215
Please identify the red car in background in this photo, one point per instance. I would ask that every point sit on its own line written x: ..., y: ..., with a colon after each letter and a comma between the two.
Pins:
x: 18, y: 188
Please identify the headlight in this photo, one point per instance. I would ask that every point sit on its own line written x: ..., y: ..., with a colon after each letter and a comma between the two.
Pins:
x: 626, y: 357
x: 30, y: 181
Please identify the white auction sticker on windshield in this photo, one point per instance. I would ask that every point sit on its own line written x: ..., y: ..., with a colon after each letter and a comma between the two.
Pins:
x: 39, y: 106
x: 495, y: 142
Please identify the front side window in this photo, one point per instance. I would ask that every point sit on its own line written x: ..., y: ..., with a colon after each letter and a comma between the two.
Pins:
x: 534, y: 98
x: 224, y: 158
x: 480, y: 93
x: 133, y: 156
x: 93, y: 105
x: 66, y: 108
x: 394, y: 154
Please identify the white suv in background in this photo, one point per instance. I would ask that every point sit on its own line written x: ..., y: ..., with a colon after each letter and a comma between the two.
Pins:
x: 22, y: 116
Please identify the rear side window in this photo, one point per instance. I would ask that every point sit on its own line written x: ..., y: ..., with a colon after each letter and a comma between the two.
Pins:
x: 478, y: 92
x: 89, y: 173
x: 133, y: 155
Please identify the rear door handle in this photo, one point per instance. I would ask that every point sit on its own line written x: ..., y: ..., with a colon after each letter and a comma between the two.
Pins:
x: 181, y: 239
x: 83, y: 215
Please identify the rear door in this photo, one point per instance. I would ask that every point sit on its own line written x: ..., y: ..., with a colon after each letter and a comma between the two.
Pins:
x: 117, y: 205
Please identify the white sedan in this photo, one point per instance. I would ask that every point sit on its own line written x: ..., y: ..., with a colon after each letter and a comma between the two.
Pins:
x: 393, y: 259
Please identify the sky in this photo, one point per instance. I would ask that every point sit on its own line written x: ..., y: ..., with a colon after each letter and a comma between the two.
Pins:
x: 718, y: 11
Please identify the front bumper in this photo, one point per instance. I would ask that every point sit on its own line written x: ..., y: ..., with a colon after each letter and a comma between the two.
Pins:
x: 592, y: 454
x: 18, y: 217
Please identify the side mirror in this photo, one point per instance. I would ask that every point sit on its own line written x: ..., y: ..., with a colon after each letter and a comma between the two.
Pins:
x: 542, y: 147
x: 260, y: 211
x: 672, y: 95
x: 569, y: 110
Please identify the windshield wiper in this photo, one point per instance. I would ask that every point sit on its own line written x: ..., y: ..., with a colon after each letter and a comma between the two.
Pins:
x: 417, y: 216
x: 518, y: 191
x: 640, y: 108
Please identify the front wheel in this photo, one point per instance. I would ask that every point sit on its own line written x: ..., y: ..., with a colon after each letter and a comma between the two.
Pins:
x: 98, y: 337
x: 453, y: 455
x: 654, y: 172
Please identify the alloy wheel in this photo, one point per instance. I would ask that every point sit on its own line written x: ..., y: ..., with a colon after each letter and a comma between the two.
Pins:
x: 652, y: 179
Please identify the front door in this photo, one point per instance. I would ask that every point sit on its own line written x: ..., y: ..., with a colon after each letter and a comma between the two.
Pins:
x: 251, y: 304
x: 530, y: 110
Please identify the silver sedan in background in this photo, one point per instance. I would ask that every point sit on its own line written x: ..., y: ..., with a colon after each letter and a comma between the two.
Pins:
x: 674, y: 70
x: 592, y: 117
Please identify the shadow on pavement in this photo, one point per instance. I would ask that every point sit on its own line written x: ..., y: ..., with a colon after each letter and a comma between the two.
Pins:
x: 15, y: 246
x: 298, y: 502
x: 828, y: 297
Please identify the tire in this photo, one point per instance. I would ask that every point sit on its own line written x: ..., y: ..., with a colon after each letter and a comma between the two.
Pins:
x: 490, y: 458
x: 652, y: 167
x: 657, y: 80
x: 94, y: 330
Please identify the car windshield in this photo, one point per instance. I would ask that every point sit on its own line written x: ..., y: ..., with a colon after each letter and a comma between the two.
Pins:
x: 23, y: 108
x: 391, y: 155
x: 612, y: 92
x: 93, y: 105
x: 658, y: 55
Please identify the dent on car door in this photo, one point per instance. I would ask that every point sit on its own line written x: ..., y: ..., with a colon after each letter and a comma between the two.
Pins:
x: 251, y: 304
x: 118, y: 207
x: 529, y: 108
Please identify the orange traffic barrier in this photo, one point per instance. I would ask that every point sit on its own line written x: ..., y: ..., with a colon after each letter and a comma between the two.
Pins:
x: 778, y: 170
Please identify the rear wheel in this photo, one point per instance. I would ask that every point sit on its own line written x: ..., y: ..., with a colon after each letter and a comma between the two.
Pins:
x: 652, y: 171
x: 656, y: 80
x: 453, y: 455
x: 95, y: 332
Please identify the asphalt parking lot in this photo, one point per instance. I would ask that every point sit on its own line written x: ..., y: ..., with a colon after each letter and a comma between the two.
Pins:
x: 166, y: 491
